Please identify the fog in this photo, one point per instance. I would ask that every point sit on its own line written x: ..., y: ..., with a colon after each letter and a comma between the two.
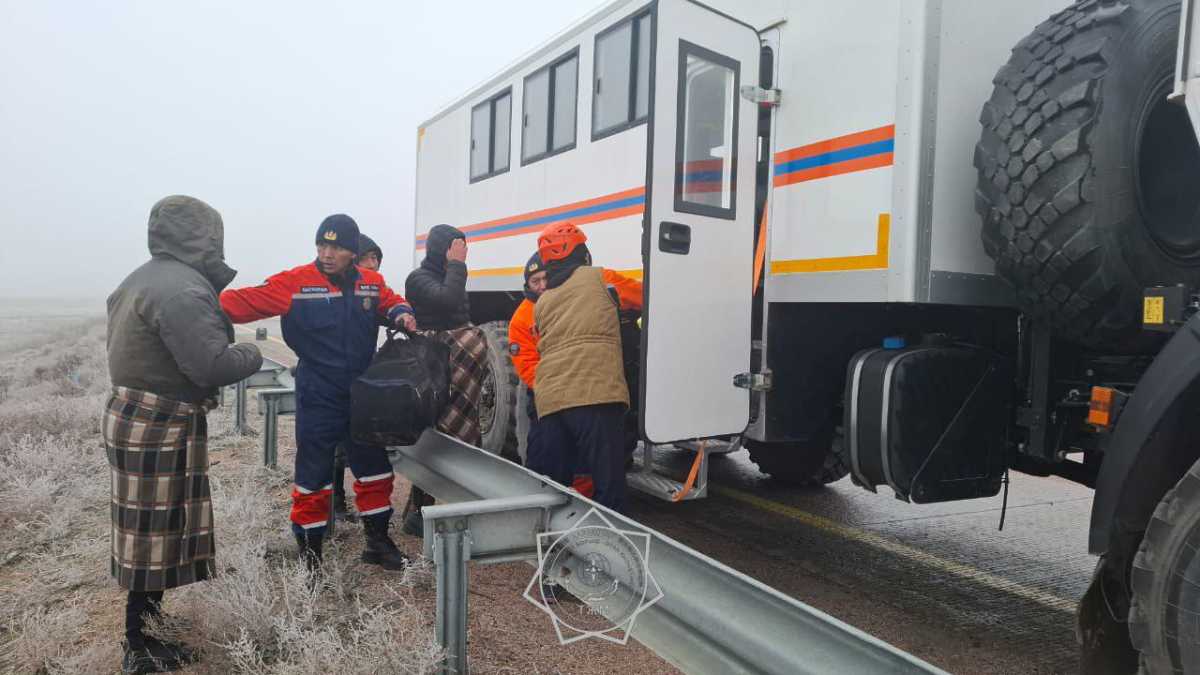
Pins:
x: 276, y: 113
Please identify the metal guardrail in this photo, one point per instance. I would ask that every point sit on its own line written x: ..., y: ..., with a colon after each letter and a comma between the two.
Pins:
x: 272, y: 403
x: 276, y: 391
x: 711, y: 618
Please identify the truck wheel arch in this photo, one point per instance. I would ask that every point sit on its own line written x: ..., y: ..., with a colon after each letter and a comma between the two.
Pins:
x: 1153, y: 445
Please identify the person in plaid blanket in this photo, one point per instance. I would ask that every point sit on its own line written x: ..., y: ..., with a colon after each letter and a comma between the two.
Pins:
x: 169, y: 349
x: 437, y: 291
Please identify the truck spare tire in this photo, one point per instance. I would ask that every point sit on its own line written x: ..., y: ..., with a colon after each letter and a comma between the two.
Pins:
x: 1088, y: 177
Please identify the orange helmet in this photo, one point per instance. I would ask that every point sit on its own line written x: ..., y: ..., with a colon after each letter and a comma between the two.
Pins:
x: 558, y: 240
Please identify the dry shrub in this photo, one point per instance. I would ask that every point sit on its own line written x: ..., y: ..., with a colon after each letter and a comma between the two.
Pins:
x: 258, y: 615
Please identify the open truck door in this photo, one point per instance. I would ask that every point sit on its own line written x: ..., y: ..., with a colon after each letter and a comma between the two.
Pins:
x: 698, y: 233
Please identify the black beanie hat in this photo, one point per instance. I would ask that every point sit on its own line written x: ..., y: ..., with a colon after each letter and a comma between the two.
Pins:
x: 533, y: 267
x: 339, y: 230
x: 367, y: 244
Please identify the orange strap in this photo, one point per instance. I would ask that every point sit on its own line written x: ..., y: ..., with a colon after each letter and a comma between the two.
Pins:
x: 691, y: 479
x: 760, y: 251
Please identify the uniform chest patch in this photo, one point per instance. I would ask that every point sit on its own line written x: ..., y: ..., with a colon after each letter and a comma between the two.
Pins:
x: 367, y: 303
x: 514, y: 348
x: 368, y: 287
x: 314, y: 289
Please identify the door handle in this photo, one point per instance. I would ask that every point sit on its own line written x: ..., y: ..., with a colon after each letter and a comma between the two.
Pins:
x: 674, y: 238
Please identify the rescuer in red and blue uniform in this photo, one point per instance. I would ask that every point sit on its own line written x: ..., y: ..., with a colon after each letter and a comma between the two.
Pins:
x: 331, y: 311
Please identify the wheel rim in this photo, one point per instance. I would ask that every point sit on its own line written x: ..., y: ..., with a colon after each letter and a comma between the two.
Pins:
x: 487, y: 402
x: 1167, y: 164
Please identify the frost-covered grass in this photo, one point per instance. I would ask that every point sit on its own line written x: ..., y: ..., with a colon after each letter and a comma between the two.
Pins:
x: 61, y: 612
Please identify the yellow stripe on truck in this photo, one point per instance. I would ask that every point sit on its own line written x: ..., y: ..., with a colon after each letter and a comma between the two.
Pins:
x: 875, y: 261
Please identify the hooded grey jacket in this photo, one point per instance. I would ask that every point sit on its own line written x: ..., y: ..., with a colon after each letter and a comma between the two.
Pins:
x: 166, y: 331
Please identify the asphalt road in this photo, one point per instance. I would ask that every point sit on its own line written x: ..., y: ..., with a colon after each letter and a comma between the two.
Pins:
x: 940, y: 581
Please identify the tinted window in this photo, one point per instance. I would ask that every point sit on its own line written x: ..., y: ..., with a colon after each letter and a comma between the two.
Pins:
x: 550, y: 103
x: 502, y: 112
x: 705, y: 149
x: 537, y: 101
x: 642, y: 99
x: 566, y: 81
x: 622, y: 81
x: 612, y: 78
x: 491, y: 124
x: 481, y: 125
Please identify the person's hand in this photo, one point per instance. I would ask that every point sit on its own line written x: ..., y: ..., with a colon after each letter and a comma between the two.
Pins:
x: 457, y: 251
x: 407, y: 321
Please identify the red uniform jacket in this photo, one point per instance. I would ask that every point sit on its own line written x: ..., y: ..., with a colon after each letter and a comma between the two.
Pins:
x: 332, y: 328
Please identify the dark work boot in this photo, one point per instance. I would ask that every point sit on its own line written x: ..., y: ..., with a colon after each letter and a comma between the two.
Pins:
x: 380, y: 549
x: 414, y: 524
x: 145, y: 654
x: 152, y: 656
x: 308, y: 545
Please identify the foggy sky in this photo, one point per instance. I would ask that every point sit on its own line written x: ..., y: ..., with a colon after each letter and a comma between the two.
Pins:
x: 276, y: 113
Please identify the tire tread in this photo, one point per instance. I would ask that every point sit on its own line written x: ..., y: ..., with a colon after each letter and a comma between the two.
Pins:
x: 1034, y: 164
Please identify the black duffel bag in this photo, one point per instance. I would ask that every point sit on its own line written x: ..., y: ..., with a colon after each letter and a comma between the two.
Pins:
x: 402, y: 392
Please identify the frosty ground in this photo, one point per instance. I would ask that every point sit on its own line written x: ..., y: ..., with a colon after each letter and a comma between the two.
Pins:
x: 60, y: 612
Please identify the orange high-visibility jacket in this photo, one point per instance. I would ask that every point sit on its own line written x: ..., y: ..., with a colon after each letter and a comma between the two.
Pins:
x: 522, y: 335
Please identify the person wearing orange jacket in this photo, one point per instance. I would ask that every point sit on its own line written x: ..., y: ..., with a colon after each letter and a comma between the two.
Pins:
x: 580, y: 389
x: 523, y: 339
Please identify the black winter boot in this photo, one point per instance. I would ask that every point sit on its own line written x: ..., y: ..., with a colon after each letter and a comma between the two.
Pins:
x: 143, y: 653
x: 381, y: 550
x: 308, y: 545
x: 414, y: 524
x: 153, y: 656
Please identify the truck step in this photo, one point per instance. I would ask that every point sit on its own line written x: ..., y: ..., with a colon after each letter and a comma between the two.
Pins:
x: 648, y: 478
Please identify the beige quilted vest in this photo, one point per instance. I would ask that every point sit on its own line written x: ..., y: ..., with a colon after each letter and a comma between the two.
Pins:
x: 580, y: 345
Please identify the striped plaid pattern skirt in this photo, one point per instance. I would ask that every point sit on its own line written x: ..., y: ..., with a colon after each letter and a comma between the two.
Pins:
x: 162, y: 520
x: 468, y: 366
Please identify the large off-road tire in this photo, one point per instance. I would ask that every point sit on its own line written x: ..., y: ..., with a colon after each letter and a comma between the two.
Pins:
x: 819, y: 461
x: 1166, y: 583
x: 1087, y: 174
x: 498, y: 400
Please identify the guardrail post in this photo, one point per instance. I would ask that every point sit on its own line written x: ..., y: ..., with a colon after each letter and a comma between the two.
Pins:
x: 270, y: 431
x: 239, y: 407
x: 450, y: 558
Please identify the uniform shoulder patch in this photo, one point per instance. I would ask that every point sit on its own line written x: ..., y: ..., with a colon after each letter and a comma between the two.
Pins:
x: 514, y: 348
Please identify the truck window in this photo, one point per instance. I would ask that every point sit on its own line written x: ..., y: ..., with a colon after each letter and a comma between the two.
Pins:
x: 621, y: 86
x: 491, y: 126
x: 549, y: 106
x: 706, y: 142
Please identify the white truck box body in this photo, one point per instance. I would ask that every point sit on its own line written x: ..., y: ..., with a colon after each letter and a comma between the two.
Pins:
x: 869, y: 198
x: 872, y: 145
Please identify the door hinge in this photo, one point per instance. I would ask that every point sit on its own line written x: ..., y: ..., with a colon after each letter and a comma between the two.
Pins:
x: 753, y: 381
x: 769, y: 98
